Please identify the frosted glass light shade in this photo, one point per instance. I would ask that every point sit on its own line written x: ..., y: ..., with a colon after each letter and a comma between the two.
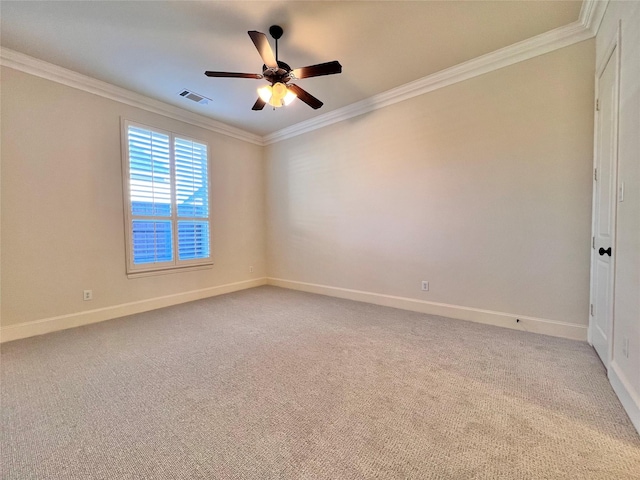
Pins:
x: 265, y: 93
x: 279, y: 90
x: 289, y: 97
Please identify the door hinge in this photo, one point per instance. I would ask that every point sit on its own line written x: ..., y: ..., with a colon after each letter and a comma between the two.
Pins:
x: 595, y: 174
x: 597, y: 105
x: 591, y: 309
x: 593, y: 242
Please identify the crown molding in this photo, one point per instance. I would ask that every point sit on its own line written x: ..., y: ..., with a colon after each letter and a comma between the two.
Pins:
x: 544, y: 43
x: 591, y: 14
x: 49, y: 71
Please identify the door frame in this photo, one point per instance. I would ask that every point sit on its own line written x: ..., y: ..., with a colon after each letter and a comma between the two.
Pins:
x: 612, y: 49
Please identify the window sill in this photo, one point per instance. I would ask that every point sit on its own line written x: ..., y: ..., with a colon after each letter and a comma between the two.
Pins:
x: 166, y: 271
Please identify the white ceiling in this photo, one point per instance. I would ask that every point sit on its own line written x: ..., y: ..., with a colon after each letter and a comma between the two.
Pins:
x: 159, y: 48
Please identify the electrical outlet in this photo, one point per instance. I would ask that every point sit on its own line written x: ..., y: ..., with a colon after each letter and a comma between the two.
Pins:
x: 425, y: 286
x: 251, y: 269
x: 87, y: 295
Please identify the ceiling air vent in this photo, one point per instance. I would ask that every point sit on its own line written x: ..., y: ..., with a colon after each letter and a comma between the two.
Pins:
x: 196, y: 97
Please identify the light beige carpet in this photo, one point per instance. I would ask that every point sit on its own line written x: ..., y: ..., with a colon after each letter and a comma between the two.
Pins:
x: 276, y: 384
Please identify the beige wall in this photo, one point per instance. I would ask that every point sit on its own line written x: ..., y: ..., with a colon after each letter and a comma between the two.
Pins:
x: 483, y: 188
x: 627, y: 279
x: 62, y: 204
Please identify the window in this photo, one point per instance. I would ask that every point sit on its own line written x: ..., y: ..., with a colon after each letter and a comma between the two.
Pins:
x: 167, y: 200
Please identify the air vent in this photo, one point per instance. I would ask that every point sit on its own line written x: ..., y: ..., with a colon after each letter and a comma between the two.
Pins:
x: 195, y: 97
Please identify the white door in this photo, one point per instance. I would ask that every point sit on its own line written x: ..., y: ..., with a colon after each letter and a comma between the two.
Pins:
x: 604, y: 209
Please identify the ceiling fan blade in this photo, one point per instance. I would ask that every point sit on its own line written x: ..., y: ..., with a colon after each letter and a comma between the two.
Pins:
x: 328, y: 68
x: 233, y: 75
x: 264, y: 49
x: 259, y: 105
x: 306, y: 97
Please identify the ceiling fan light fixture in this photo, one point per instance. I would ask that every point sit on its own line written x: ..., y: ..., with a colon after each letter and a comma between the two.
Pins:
x: 276, y: 95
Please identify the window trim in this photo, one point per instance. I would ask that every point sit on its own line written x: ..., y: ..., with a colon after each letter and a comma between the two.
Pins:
x: 176, y: 265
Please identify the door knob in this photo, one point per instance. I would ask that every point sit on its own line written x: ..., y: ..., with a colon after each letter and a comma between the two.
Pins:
x: 602, y: 251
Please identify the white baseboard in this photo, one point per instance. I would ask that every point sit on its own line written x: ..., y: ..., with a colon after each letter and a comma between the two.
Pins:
x: 628, y: 397
x: 501, y: 319
x: 62, y: 322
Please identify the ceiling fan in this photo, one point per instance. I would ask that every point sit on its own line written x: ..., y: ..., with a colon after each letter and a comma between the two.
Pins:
x: 280, y: 92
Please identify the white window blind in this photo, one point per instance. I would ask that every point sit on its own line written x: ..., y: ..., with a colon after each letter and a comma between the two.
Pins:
x: 192, y: 194
x: 167, y: 196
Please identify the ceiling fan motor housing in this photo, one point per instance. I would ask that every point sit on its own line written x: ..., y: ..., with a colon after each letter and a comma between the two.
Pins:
x: 281, y: 74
